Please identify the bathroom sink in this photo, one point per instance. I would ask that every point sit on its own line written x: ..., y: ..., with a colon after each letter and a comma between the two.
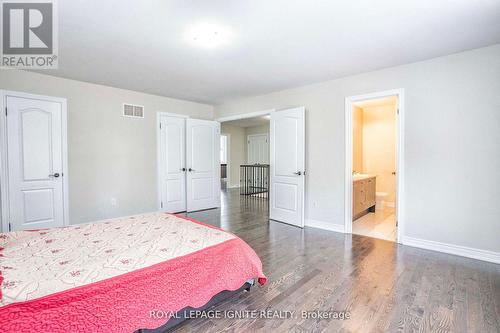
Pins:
x: 359, y: 176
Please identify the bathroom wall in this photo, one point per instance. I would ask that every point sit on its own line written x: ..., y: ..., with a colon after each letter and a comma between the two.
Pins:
x: 357, y: 139
x: 379, y: 147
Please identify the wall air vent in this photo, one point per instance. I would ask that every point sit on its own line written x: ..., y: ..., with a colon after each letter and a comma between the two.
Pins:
x: 130, y: 110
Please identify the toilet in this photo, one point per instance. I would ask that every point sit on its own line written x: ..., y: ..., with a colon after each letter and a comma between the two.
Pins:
x: 379, y: 199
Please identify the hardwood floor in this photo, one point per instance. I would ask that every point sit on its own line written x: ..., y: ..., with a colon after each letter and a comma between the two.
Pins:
x: 385, y: 287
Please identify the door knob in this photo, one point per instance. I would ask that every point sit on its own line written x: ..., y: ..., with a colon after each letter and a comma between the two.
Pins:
x: 298, y: 173
x: 190, y: 170
x: 55, y: 175
x: 183, y: 169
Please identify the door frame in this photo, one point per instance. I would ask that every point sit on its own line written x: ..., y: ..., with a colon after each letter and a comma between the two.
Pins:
x: 159, y: 167
x: 228, y: 158
x: 246, y: 115
x: 266, y: 135
x: 399, y: 93
x: 4, y: 172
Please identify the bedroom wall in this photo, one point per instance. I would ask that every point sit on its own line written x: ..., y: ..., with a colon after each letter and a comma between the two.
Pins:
x: 237, y: 147
x: 452, y: 140
x: 109, y: 156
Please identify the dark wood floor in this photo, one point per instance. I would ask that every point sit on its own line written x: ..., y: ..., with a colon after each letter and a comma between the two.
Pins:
x: 386, y: 287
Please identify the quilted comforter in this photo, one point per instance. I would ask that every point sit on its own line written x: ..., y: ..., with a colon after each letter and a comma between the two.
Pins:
x: 111, y: 275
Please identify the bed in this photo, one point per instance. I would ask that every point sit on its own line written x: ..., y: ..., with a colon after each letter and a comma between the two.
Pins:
x: 111, y: 276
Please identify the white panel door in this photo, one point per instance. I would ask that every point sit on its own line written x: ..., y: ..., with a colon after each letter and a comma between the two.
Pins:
x: 35, y: 163
x: 202, y: 161
x: 258, y: 149
x: 287, y: 166
x: 172, y: 171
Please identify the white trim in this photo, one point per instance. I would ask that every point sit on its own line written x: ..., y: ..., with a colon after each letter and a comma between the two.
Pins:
x: 4, y: 174
x: 458, y: 250
x: 228, y: 158
x: 169, y: 114
x: 245, y: 115
x: 159, y: 114
x: 324, y: 225
x: 399, y: 156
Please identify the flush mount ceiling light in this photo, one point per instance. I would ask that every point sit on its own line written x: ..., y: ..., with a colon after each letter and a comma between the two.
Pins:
x: 208, y: 35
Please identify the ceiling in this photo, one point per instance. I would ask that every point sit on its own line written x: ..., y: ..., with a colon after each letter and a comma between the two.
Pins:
x: 273, y: 45
x: 383, y: 101
x: 249, y: 122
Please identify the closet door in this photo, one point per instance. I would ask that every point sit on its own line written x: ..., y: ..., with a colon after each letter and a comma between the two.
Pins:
x: 172, y: 164
x: 202, y: 161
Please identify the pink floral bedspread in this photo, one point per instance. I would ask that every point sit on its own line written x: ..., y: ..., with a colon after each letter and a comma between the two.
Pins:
x: 109, y: 276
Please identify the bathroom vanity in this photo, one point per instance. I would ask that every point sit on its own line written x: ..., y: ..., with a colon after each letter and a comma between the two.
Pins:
x: 363, y: 195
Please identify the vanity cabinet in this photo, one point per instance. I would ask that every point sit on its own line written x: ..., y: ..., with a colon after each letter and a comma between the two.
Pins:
x: 363, y: 195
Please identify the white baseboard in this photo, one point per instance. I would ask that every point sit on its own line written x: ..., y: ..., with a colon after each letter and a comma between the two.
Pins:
x: 324, y: 225
x: 233, y: 186
x: 458, y: 250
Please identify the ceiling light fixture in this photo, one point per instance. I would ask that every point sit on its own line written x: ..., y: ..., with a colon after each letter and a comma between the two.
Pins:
x: 208, y: 35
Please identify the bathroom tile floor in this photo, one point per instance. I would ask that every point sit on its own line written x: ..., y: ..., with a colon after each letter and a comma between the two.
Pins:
x: 381, y: 224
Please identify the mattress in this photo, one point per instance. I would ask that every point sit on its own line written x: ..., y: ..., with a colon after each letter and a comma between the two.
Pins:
x: 109, y: 276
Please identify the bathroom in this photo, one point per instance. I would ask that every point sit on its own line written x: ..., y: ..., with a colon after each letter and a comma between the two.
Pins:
x: 374, y: 161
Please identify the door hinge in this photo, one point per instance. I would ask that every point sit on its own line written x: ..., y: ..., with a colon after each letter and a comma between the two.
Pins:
x: 160, y: 125
x: 161, y: 204
x: 398, y: 110
x: 10, y: 227
x: 6, y: 111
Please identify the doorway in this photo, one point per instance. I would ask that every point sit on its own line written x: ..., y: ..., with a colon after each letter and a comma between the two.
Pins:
x: 34, y: 179
x: 374, y: 137
x: 270, y: 164
x: 248, y: 156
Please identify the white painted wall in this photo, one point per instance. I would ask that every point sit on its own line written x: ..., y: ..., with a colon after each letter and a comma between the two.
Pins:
x: 262, y: 129
x: 110, y: 156
x: 452, y: 144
